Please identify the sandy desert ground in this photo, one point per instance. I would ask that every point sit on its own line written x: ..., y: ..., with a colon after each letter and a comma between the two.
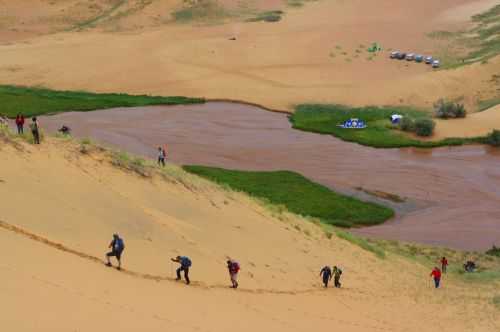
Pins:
x: 59, y: 208
x: 313, y: 55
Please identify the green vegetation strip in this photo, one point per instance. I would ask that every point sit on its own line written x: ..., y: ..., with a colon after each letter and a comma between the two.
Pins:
x: 36, y: 101
x: 380, y: 133
x: 299, y: 195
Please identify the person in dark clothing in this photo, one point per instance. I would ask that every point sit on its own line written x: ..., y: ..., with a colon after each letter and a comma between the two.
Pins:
x: 185, y: 265
x: 337, y: 272
x: 117, y: 246
x: 161, y: 156
x: 233, y: 268
x: 35, y: 130
x: 436, y: 274
x: 469, y: 266
x: 326, y: 272
x: 20, y: 124
x: 444, y: 264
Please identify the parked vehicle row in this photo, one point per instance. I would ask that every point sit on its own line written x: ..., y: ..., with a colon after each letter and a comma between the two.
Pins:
x: 415, y: 57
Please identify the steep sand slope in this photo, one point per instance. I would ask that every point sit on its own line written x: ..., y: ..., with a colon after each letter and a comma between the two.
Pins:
x: 57, y: 193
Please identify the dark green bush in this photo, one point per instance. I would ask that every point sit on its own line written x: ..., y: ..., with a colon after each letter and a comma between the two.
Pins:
x: 407, y: 124
x: 494, y: 138
x: 424, y: 127
x: 449, y: 110
x: 494, y: 251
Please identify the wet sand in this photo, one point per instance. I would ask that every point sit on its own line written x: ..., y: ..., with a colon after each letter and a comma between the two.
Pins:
x: 455, y: 192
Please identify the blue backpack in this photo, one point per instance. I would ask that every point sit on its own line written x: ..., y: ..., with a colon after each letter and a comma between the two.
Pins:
x: 119, y: 245
x: 185, y: 262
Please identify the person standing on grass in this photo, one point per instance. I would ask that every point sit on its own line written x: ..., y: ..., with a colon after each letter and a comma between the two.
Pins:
x: 444, y: 264
x: 117, y: 246
x: 35, y: 130
x: 20, y: 124
x: 436, y: 274
x: 233, y: 268
x: 326, y: 272
x: 185, y: 265
x: 161, y: 156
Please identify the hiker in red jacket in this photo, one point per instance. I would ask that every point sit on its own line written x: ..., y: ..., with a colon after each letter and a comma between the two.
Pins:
x: 20, y: 124
x: 233, y: 268
x: 444, y: 264
x: 436, y: 274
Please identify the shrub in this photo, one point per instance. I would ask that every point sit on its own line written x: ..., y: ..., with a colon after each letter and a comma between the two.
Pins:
x: 407, y: 124
x: 494, y: 138
x: 494, y: 251
x: 424, y: 127
x: 447, y: 109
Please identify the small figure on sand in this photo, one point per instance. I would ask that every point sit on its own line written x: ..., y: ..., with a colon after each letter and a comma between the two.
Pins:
x: 444, y: 264
x: 117, y: 246
x: 185, y: 265
x: 161, y: 156
x: 326, y: 272
x: 233, y: 268
x: 35, y: 130
x: 20, y: 124
x: 337, y: 272
x: 436, y: 274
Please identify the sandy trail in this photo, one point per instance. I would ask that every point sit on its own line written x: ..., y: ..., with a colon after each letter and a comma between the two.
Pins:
x: 77, y: 200
x: 454, y: 190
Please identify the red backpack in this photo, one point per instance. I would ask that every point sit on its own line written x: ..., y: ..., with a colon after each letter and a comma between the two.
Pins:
x: 235, y: 267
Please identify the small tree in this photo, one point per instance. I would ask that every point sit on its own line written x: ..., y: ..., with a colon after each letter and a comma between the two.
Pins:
x: 448, y: 109
x: 407, y: 124
x: 424, y: 127
x: 494, y: 138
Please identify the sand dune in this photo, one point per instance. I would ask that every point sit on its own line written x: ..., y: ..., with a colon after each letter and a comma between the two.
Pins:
x: 315, y: 54
x: 60, y: 206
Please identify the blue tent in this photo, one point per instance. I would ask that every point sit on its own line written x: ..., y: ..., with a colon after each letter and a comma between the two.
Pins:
x: 353, y: 124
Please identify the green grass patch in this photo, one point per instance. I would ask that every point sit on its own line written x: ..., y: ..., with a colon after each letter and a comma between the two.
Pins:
x: 483, y: 105
x: 201, y: 10
x: 90, y: 23
x: 38, y: 101
x: 299, y: 195
x: 482, y: 41
x: 380, y: 133
x: 496, y: 301
x: 269, y: 16
x: 361, y: 242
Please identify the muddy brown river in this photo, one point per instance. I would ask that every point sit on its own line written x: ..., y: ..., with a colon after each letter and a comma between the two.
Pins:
x: 453, y: 194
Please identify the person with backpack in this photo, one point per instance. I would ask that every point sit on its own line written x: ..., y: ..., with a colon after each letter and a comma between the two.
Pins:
x: 337, y: 272
x: 185, y: 265
x: 233, y: 268
x: 444, y: 264
x: 117, y: 246
x: 20, y: 124
x: 326, y: 272
x: 35, y: 130
x: 161, y: 156
x: 436, y: 274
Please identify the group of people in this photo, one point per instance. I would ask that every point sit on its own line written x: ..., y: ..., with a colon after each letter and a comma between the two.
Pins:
x: 117, y: 246
x: 34, y: 127
x: 327, y: 273
x: 437, y: 273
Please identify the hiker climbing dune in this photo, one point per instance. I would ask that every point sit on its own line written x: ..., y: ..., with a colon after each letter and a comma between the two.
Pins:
x: 234, y: 268
x: 117, y: 246
x: 185, y: 265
